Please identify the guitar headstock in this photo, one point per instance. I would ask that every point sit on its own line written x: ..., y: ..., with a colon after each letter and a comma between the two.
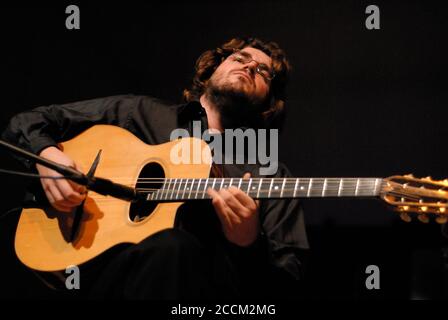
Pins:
x: 423, y: 196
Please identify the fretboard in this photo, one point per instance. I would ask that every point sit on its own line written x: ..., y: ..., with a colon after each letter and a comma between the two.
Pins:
x: 267, y: 188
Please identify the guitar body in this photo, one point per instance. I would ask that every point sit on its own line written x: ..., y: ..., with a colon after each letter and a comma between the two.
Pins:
x: 43, y: 235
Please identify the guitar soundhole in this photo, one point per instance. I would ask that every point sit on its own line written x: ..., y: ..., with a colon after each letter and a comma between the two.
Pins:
x: 149, y: 180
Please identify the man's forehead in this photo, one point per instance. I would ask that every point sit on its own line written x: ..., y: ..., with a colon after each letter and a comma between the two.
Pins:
x: 258, y: 55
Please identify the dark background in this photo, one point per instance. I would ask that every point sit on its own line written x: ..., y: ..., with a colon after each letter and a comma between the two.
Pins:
x: 361, y: 103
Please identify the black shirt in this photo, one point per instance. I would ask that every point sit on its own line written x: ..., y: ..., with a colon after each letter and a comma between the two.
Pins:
x: 283, y: 239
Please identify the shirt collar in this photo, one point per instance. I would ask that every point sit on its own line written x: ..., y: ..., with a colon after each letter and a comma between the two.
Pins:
x: 192, y: 111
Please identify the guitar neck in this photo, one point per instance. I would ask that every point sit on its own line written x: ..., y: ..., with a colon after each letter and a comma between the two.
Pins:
x: 266, y: 188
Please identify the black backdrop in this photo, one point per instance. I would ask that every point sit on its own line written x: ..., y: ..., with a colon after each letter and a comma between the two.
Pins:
x: 361, y: 103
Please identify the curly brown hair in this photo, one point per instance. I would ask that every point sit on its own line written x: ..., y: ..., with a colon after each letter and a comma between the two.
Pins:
x: 211, y: 59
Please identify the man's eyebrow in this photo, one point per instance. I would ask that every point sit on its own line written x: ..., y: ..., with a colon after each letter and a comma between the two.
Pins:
x: 247, y: 54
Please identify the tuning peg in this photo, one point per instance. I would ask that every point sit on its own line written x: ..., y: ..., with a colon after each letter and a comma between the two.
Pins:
x: 442, y: 219
x: 410, y: 175
x: 428, y: 178
x: 445, y: 182
x: 423, y: 218
x: 405, y: 217
x: 442, y: 210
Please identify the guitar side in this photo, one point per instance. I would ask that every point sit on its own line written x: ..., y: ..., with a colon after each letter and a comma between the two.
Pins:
x: 43, y: 235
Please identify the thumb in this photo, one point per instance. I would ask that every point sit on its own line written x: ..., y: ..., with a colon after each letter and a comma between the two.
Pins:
x: 79, y: 188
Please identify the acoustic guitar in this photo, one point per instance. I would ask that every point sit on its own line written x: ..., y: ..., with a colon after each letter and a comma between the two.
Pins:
x: 46, y: 239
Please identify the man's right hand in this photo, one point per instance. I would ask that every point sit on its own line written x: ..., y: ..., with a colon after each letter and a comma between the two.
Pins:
x: 63, y: 195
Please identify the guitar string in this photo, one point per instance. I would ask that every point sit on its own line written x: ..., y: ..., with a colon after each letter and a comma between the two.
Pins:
x: 361, y: 192
x: 162, y: 180
x: 183, y: 186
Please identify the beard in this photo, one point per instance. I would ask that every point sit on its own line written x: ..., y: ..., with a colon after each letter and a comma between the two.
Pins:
x: 236, y: 108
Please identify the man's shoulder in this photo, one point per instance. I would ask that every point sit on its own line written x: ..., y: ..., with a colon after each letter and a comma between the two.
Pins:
x: 146, y: 103
x: 144, y: 100
x: 237, y: 170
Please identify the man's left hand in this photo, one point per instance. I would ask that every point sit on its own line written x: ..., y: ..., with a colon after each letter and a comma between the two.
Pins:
x: 238, y: 213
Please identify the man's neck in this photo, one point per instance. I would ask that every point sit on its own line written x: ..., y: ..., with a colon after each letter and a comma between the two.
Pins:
x: 213, y: 116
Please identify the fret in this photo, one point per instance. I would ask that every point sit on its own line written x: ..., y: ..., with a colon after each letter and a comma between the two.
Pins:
x: 222, y: 183
x: 324, y: 187
x: 198, y: 188
x: 182, y: 186
x: 377, y: 184
x: 345, y: 187
x: 283, y: 188
x: 194, y: 188
x: 154, y: 195
x: 317, y: 187
x: 372, y: 192
x: 243, y: 185
x: 191, y: 188
x: 295, y: 188
x: 205, y: 189
x: 266, y: 187
x: 150, y: 196
x: 253, y: 188
x: 248, y: 186
x: 332, y: 186
x: 277, y: 189
x: 341, y: 181
x: 159, y: 192
x: 274, y: 189
x: 270, y: 188
x: 230, y: 184
x: 174, y: 186
x: 290, y: 186
x: 213, y: 185
x: 166, y: 188
x: 357, y: 186
x: 185, y: 188
x: 302, y: 187
x: 309, y: 187
x: 178, y: 188
x: 259, y: 187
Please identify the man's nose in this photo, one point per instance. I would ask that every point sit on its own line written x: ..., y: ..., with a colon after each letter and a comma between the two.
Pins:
x: 252, y: 66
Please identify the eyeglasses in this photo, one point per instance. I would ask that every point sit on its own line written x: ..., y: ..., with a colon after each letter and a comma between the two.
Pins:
x: 262, y: 69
